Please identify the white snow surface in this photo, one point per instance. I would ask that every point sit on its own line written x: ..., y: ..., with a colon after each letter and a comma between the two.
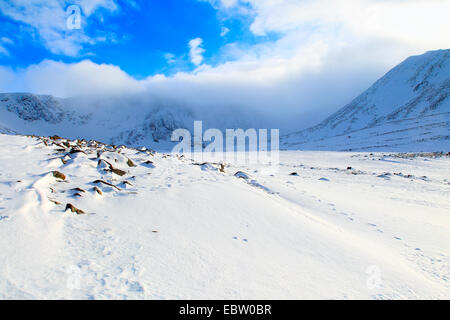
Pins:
x: 181, y: 230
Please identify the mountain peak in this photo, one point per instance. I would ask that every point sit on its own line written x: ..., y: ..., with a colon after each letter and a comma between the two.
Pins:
x: 394, y: 113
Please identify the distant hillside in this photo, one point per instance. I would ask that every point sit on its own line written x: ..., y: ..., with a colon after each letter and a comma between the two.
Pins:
x: 130, y: 120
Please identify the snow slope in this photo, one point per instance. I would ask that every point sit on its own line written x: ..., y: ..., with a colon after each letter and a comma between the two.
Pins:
x: 378, y: 230
x: 406, y: 110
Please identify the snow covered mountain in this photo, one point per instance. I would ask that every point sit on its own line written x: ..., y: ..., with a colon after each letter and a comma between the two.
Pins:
x: 406, y: 110
x: 133, y: 120
x: 118, y: 120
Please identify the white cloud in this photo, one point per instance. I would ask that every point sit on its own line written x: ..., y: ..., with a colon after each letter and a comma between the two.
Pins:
x: 49, y: 19
x: 224, y: 31
x: 196, y: 51
x: 337, y: 47
x: 411, y: 22
x: 170, y: 57
x: 6, y: 40
x: 65, y: 80
x: 3, y: 51
x: 284, y: 92
x: 89, y: 6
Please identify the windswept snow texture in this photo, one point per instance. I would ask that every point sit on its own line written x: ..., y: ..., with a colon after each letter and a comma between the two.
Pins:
x: 326, y: 225
x: 406, y: 110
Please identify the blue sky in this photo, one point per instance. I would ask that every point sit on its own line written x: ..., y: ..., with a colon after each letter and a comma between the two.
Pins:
x: 293, y: 60
x: 143, y: 37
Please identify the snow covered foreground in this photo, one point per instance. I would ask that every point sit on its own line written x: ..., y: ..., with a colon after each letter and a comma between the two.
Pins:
x: 377, y: 230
